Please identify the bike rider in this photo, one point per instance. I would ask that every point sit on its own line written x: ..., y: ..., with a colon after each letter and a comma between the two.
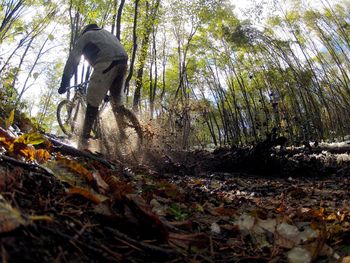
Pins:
x: 109, y: 60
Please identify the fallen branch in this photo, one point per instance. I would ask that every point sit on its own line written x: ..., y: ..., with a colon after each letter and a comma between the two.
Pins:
x: 29, y: 166
x: 69, y: 150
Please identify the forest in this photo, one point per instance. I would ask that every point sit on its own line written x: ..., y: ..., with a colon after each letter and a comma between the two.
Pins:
x: 243, y: 109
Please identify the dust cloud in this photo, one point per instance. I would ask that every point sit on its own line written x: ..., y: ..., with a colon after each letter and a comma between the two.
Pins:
x: 107, y: 138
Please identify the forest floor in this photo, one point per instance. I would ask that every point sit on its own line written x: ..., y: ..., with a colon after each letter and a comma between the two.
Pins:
x: 255, y: 204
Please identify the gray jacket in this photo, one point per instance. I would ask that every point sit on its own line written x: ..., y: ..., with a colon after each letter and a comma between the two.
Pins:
x: 97, y: 46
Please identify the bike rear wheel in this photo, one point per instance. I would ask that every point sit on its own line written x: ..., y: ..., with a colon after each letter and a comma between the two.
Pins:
x: 124, y: 139
x: 130, y: 133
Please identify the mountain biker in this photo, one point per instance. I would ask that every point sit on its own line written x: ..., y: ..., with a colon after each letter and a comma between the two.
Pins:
x: 109, y: 60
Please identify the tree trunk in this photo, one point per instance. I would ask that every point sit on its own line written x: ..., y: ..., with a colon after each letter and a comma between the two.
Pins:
x: 150, y: 19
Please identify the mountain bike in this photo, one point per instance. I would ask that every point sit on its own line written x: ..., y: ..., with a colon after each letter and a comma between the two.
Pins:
x: 129, y: 130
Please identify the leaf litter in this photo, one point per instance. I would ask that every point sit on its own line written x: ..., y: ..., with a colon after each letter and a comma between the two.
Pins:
x: 230, y: 205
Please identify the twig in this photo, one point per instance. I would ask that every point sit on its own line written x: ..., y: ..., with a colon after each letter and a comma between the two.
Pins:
x: 117, y: 256
x: 71, y: 241
x: 150, y: 249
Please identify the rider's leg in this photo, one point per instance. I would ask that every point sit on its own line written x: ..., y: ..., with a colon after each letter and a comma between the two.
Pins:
x: 90, y: 117
x: 117, y: 86
x: 97, y: 90
x: 116, y: 91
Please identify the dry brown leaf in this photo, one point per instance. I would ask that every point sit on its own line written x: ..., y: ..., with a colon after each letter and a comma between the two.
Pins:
x: 85, y: 193
x: 225, y: 211
x: 76, y: 167
x: 346, y: 260
x: 42, y: 155
x: 27, y: 152
x: 118, y: 187
x: 101, y: 184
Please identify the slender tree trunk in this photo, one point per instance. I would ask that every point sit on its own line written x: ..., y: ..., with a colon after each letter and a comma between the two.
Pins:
x: 21, y: 62
x: 46, y: 106
x: 134, y: 49
x: 153, y: 88
x: 24, y: 88
x: 164, y: 61
x: 114, y: 16
x: 119, y: 18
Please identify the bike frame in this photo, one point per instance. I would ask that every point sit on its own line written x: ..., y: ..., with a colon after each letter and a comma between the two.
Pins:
x: 79, y: 99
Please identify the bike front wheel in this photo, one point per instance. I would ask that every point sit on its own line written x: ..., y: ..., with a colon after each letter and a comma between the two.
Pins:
x: 67, y: 116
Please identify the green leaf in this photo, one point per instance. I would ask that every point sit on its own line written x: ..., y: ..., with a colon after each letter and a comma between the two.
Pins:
x: 31, y: 138
x: 10, y: 119
x: 35, y: 75
x: 51, y: 37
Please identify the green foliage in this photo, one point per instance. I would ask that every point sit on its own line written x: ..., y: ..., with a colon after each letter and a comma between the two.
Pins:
x: 179, y: 213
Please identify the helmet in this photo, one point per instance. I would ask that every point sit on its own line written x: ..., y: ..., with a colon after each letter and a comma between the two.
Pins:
x: 89, y: 28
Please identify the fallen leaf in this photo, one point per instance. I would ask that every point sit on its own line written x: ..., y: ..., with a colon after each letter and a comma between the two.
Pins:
x: 85, y: 193
x: 143, y: 213
x: 76, y: 167
x: 245, y: 222
x: 346, y: 260
x: 31, y: 138
x: 42, y: 155
x: 299, y: 255
x: 215, y: 228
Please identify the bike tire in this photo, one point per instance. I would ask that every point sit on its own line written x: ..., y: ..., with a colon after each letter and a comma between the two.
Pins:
x: 131, y: 121
x: 66, y: 115
x: 131, y: 134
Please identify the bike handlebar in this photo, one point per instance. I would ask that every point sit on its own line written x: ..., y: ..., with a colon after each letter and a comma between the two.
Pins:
x: 79, y: 86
